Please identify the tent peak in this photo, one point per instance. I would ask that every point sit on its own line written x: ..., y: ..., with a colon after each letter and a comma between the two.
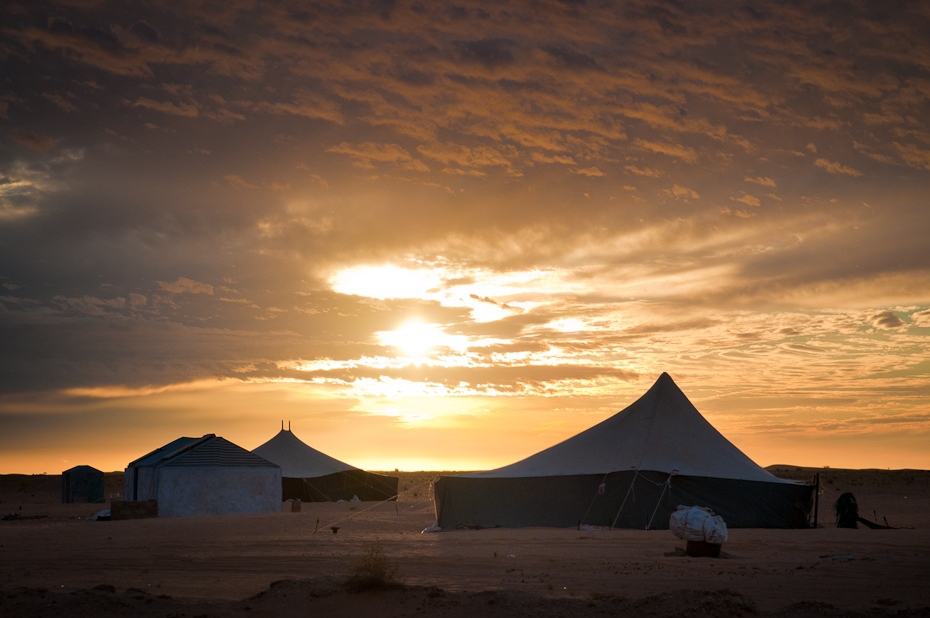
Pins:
x: 661, y: 431
x: 297, y: 459
x: 664, y: 377
x: 665, y: 383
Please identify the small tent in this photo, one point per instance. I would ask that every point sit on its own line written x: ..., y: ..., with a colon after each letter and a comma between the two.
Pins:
x: 311, y: 476
x: 631, y: 471
x: 82, y: 484
x: 201, y: 476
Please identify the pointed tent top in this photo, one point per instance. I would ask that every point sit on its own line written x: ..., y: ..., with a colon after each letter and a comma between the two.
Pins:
x: 661, y: 431
x: 298, y: 460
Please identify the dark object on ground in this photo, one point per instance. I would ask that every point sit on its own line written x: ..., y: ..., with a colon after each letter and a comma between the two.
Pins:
x: 133, y: 509
x: 847, y: 511
x: 874, y: 526
x: 20, y: 516
x: 847, y: 514
x: 702, y: 549
x: 82, y: 484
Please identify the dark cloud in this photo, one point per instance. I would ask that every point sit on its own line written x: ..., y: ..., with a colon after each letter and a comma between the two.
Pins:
x: 60, y: 25
x: 492, y: 52
x: 886, y: 320
x: 571, y: 58
x: 146, y: 31
x: 819, y: 256
x: 104, y: 38
x: 35, y: 141
x: 383, y: 8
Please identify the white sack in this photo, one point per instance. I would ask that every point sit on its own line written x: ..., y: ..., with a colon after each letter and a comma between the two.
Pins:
x: 715, y: 530
x: 676, y: 522
x: 696, y: 523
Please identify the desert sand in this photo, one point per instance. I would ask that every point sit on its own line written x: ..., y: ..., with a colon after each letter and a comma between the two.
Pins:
x: 57, y: 562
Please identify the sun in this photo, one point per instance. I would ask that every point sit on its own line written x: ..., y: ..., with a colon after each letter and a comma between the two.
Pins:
x: 416, y: 339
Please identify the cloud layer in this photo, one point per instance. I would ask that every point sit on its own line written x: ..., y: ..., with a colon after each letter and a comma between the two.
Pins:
x: 577, y: 196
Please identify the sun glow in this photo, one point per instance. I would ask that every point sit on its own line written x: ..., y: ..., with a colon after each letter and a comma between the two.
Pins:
x: 386, y: 281
x: 417, y: 339
x: 568, y: 325
x: 488, y: 295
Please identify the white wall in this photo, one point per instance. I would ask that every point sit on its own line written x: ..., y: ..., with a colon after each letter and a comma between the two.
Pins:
x: 204, y: 491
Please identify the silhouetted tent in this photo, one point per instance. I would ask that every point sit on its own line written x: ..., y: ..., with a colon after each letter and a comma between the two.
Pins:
x: 82, y: 484
x: 200, y: 476
x: 630, y: 471
x: 311, y: 476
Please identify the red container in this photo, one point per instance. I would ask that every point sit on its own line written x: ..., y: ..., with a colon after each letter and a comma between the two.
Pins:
x: 703, y: 549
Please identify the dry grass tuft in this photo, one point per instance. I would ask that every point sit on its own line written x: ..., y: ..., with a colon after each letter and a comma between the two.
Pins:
x: 374, y: 571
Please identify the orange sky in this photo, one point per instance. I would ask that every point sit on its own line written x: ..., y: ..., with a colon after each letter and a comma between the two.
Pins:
x: 438, y: 235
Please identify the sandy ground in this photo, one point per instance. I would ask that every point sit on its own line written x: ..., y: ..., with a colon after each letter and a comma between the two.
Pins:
x: 63, y: 564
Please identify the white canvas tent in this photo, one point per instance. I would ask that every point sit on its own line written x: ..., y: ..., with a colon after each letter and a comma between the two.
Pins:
x: 201, y: 476
x: 631, y: 470
x: 312, y: 476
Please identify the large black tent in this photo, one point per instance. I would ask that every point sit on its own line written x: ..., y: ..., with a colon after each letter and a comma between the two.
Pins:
x: 311, y: 476
x: 629, y: 471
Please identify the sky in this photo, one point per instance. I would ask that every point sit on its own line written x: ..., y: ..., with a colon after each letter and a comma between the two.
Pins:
x: 446, y: 235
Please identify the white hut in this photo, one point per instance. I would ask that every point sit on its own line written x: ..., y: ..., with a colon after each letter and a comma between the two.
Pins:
x: 203, y: 476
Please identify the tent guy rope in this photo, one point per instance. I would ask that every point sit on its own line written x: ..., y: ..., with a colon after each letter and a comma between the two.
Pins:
x: 377, y: 504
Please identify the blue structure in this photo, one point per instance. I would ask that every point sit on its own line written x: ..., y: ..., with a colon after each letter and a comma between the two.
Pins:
x: 82, y: 484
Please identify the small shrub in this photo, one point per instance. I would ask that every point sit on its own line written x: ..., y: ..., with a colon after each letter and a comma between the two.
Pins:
x: 374, y: 571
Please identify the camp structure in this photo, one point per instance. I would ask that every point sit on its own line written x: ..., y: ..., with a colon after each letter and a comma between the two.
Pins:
x: 81, y: 484
x: 204, y: 476
x: 630, y: 471
x: 311, y: 476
